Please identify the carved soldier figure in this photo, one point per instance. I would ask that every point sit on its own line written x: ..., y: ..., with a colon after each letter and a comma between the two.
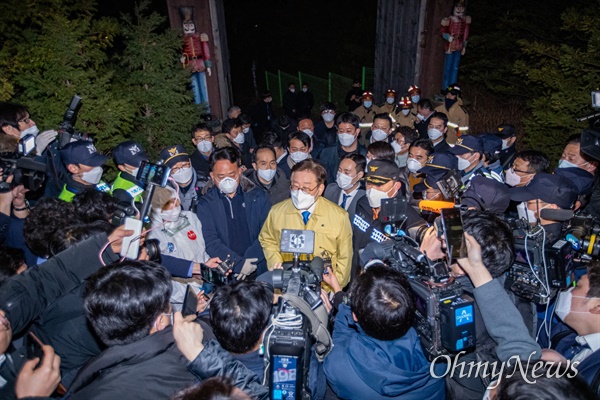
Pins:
x: 455, y: 30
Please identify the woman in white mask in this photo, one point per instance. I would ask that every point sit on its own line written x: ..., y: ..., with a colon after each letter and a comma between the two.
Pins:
x: 177, y: 158
x: 299, y: 147
x: 403, y: 137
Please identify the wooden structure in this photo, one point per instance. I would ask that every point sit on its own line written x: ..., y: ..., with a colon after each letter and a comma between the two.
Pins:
x: 209, y: 18
x: 409, y: 48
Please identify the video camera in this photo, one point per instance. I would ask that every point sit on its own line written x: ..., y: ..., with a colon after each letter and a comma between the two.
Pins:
x: 22, y: 166
x: 583, y: 232
x: 445, y: 315
x: 299, y: 322
x: 66, y: 129
x: 540, y: 267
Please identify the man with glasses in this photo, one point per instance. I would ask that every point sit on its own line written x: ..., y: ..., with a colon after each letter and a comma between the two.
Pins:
x: 526, y: 164
x: 177, y: 158
x: 308, y: 210
x: 232, y: 213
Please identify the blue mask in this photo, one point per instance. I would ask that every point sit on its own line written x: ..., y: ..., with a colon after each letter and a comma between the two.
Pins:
x: 367, y: 104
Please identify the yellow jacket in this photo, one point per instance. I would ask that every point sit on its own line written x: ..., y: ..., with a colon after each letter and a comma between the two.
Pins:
x: 332, y: 233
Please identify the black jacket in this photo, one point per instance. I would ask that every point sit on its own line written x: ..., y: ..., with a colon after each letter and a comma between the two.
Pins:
x: 290, y: 104
x: 325, y: 136
x: 50, y: 297
x: 202, y: 168
x: 421, y: 127
x: 306, y: 102
x: 441, y: 147
x: 280, y: 187
x: 331, y: 156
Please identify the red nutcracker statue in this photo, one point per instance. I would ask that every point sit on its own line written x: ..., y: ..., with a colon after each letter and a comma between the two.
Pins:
x: 196, y: 56
x: 455, y: 30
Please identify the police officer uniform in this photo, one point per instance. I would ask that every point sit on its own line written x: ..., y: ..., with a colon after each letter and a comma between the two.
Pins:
x: 81, y: 153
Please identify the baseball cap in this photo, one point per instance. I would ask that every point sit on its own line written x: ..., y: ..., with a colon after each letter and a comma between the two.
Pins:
x: 506, y: 131
x: 486, y: 194
x: 440, y: 162
x: 492, y: 144
x: 130, y: 153
x: 83, y: 153
x: 430, y: 181
x: 550, y: 188
x: 467, y: 144
x: 173, y: 154
x: 380, y: 172
x: 583, y: 180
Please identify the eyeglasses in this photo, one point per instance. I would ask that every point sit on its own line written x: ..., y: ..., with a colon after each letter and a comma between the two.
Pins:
x: 519, y: 171
x: 176, y: 169
x: 305, y: 190
x: 26, y: 120
x: 170, y: 316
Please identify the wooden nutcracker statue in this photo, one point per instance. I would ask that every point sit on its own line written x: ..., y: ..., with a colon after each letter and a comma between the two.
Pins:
x: 196, y: 56
x: 455, y: 30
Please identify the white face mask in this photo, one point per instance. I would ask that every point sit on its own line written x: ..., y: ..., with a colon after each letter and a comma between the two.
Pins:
x: 308, y: 132
x: 420, y: 117
x: 344, y: 181
x: 568, y: 164
x: 397, y: 148
x: 405, y: 112
x: 390, y: 100
x: 305, y: 89
x: 93, y: 176
x: 367, y: 104
x: 228, y: 185
x: 267, y: 174
x: 563, y: 304
x: 298, y: 156
x: 293, y: 90
x: 379, y: 135
x: 463, y: 164
x: 346, y: 139
x: 401, y: 160
x: 434, y: 134
x: 413, y: 165
x: 327, y: 117
x: 375, y: 196
x: 301, y: 200
x: 171, y: 215
x: 240, y: 138
x: 526, y: 213
x: 246, y: 130
x: 135, y: 171
x: 505, y: 144
x: 183, y: 175
x: 415, y: 99
x: 511, y: 178
x: 204, y: 146
x: 32, y: 130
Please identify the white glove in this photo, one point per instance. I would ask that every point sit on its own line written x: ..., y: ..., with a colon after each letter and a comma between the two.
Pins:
x: 44, y: 139
x: 248, y: 268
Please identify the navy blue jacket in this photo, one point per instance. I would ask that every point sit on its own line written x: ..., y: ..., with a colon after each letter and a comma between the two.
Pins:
x: 331, y: 156
x: 362, y: 367
x: 211, y: 213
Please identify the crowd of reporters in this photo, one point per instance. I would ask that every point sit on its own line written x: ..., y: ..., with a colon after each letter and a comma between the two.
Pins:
x: 111, y: 326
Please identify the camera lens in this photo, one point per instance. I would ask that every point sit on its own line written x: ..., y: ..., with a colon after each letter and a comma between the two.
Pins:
x: 152, y: 247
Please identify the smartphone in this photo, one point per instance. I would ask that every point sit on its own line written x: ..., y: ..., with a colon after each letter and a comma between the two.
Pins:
x: 453, y: 232
x: 34, y: 347
x: 155, y: 174
x: 212, y: 275
x: 190, y: 302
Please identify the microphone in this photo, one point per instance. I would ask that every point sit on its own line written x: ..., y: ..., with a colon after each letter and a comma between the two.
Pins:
x: 317, y: 267
x: 556, y: 215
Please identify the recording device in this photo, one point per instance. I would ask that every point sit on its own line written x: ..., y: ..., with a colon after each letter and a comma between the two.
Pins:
x: 453, y: 233
x: 66, y: 129
x: 299, y: 321
x: 590, y: 138
x: 190, y: 302
x: 130, y: 247
x: 218, y: 275
x: 22, y: 166
x: 444, y: 314
x: 34, y: 348
x: 451, y: 184
x: 583, y: 233
x: 155, y: 174
x: 540, y: 268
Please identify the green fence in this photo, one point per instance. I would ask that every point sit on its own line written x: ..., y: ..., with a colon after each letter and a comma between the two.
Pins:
x: 333, y: 88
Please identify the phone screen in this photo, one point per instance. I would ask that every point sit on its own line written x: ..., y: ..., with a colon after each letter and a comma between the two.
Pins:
x: 155, y: 174
x: 190, y: 302
x: 212, y: 275
x: 453, y: 232
x: 285, y: 370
